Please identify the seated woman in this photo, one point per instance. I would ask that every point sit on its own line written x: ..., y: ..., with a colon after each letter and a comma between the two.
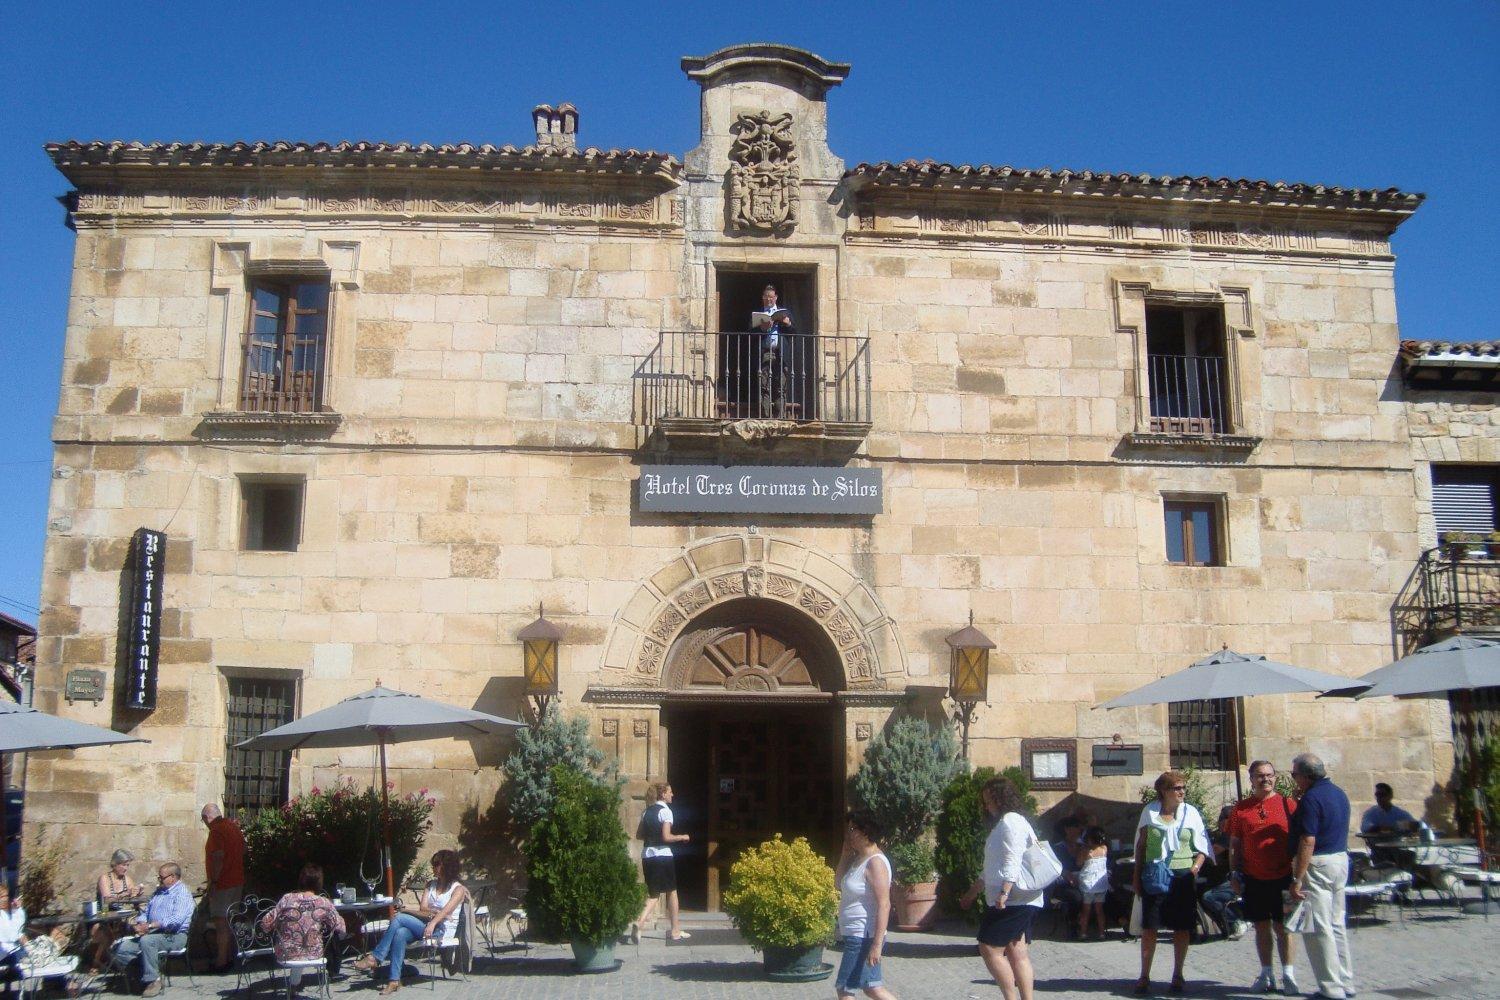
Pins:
x: 12, y: 941
x: 437, y: 917
x: 302, y: 921
x: 117, y: 891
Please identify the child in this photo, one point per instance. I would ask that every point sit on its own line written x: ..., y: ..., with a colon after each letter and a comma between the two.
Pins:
x: 1093, y: 878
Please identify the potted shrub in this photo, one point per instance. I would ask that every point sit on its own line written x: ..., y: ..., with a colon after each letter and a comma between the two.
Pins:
x: 913, y: 885
x: 901, y: 781
x: 782, y: 899
x: 581, y: 884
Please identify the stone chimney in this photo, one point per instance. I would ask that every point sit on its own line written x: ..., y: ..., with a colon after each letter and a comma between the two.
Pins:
x: 556, y: 127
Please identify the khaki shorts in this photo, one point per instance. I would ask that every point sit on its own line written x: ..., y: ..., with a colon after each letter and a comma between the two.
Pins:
x: 220, y: 900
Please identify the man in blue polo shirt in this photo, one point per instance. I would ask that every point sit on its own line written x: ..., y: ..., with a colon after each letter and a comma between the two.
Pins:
x: 1320, y: 873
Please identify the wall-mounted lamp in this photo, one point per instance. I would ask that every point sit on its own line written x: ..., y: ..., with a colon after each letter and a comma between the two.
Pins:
x: 968, y: 674
x: 539, y: 666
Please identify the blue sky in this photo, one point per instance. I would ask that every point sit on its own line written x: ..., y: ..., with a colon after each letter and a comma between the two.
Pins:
x: 1368, y: 95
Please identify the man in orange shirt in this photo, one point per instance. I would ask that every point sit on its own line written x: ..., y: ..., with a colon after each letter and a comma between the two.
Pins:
x: 224, y: 859
x: 1261, y: 870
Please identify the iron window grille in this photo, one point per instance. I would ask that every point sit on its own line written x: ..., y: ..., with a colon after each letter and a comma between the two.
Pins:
x: 256, y: 779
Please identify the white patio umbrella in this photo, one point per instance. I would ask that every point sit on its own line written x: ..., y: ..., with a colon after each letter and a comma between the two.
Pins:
x: 377, y: 717
x: 1453, y: 666
x: 24, y: 729
x: 1227, y: 674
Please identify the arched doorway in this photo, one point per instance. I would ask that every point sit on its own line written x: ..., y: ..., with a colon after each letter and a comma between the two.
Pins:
x: 755, y: 744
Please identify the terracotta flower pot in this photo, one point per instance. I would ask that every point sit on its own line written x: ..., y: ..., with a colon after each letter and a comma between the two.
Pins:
x: 913, y: 906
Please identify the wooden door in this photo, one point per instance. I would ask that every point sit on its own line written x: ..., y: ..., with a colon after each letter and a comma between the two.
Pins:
x: 770, y: 774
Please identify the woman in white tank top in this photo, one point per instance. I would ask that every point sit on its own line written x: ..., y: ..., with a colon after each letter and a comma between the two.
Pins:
x: 864, y: 881
x: 437, y: 917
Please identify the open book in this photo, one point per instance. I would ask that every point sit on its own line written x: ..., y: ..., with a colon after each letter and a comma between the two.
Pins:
x: 774, y: 316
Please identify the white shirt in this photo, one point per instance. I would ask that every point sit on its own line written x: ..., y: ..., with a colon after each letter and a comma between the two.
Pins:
x: 664, y: 851
x: 1187, y: 824
x: 436, y: 901
x: 1003, y: 849
x: 857, y: 905
x: 12, y: 923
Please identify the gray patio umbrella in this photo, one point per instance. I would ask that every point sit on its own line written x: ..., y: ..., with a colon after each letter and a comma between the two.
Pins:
x: 1457, y: 665
x: 377, y: 717
x: 24, y: 729
x: 1227, y: 674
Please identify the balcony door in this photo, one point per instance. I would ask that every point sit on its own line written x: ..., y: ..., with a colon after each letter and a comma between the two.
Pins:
x: 754, y: 379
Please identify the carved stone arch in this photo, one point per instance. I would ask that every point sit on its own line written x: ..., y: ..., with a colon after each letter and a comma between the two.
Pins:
x: 802, y: 584
x: 753, y: 645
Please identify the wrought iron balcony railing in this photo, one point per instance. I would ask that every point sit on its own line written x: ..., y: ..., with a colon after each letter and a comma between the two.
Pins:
x: 802, y: 378
x: 1187, y: 395
x: 1453, y: 589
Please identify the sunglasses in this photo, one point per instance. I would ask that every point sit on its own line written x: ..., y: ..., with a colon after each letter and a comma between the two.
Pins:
x: 1177, y: 788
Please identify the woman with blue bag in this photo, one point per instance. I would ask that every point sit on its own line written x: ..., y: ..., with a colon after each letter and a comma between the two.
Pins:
x: 1171, y: 844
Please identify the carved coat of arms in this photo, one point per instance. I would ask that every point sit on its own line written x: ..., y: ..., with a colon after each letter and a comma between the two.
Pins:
x: 764, y: 179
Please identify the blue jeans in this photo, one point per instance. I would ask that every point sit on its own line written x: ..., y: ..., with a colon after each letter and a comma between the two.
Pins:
x: 855, y: 970
x: 148, y: 948
x: 403, y: 931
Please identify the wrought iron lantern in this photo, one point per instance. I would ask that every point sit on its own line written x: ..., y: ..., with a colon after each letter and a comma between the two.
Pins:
x: 540, y: 641
x: 968, y: 674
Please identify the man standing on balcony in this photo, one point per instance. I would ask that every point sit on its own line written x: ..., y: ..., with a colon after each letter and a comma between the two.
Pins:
x: 772, y: 321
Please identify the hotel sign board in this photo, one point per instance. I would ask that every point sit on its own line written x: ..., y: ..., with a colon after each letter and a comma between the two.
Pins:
x: 148, y: 551
x: 761, y: 489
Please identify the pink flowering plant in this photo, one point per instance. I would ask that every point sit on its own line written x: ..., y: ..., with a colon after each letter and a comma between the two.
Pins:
x: 338, y: 828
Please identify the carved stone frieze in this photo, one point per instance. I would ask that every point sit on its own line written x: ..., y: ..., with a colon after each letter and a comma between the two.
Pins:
x: 858, y: 663
x: 764, y: 178
x: 641, y: 727
x: 781, y: 586
x: 816, y: 603
x: 667, y: 623
x: 609, y: 727
x: 842, y: 631
x: 729, y: 585
x: 694, y: 598
x: 648, y: 660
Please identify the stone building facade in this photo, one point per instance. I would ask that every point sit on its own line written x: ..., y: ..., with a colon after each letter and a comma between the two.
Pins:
x: 1049, y: 373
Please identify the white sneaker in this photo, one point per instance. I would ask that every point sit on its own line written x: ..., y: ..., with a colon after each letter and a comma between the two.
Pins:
x: 1264, y: 983
x: 1237, y: 930
x: 1288, y: 984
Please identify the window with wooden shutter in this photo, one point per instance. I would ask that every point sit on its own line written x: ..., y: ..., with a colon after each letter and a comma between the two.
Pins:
x: 285, y: 347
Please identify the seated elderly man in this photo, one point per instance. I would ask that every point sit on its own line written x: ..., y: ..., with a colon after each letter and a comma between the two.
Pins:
x: 1385, y: 817
x: 162, y: 928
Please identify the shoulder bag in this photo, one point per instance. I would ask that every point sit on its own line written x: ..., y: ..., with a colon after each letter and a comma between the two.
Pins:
x: 1040, y: 866
x: 1156, y: 878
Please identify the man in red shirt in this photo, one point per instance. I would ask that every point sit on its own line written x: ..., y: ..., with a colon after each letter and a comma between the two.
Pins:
x: 224, y: 860
x: 1262, y: 870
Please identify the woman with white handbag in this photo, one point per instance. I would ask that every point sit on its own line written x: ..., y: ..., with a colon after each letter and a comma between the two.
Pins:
x: 1017, y: 867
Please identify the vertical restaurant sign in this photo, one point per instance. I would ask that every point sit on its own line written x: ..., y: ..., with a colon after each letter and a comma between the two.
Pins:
x: 148, y: 557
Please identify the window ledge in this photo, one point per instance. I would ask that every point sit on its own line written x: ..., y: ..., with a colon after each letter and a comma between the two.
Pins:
x: 1222, y: 442
x: 237, y: 425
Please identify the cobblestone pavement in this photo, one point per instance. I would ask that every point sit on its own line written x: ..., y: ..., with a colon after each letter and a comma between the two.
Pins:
x: 1428, y: 956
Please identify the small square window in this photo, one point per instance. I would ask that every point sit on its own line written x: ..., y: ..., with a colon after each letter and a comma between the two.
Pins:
x: 272, y: 519
x: 1193, y: 532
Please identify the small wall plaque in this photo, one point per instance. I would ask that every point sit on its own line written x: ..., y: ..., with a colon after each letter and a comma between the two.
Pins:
x: 1117, y: 759
x: 1050, y: 764
x: 84, y: 685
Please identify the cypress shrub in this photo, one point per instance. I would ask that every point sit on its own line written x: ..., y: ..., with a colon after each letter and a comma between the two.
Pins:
x: 581, y: 882
x: 901, y: 781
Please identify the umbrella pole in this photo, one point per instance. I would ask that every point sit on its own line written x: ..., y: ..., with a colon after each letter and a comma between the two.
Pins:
x: 1471, y: 738
x: 385, y: 823
x: 1234, y: 746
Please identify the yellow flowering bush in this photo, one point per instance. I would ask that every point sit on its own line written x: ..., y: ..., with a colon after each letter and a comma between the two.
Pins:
x: 782, y: 895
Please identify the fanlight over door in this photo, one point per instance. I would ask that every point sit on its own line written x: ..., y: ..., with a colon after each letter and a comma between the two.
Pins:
x: 750, y: 659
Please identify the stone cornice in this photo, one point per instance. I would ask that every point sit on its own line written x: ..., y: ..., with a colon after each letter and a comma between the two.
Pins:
x: 764, y: 55
x: 1391, y: 205
x: 76, y: 160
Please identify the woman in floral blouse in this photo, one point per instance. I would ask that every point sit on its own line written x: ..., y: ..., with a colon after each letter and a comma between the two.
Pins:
x: 301, y: 921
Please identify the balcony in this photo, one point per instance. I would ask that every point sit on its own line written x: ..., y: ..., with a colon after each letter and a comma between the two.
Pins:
x: 1454, y: 589
x: 1188, y: 404
x: 698, y: 386
x: 1187, y: 395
